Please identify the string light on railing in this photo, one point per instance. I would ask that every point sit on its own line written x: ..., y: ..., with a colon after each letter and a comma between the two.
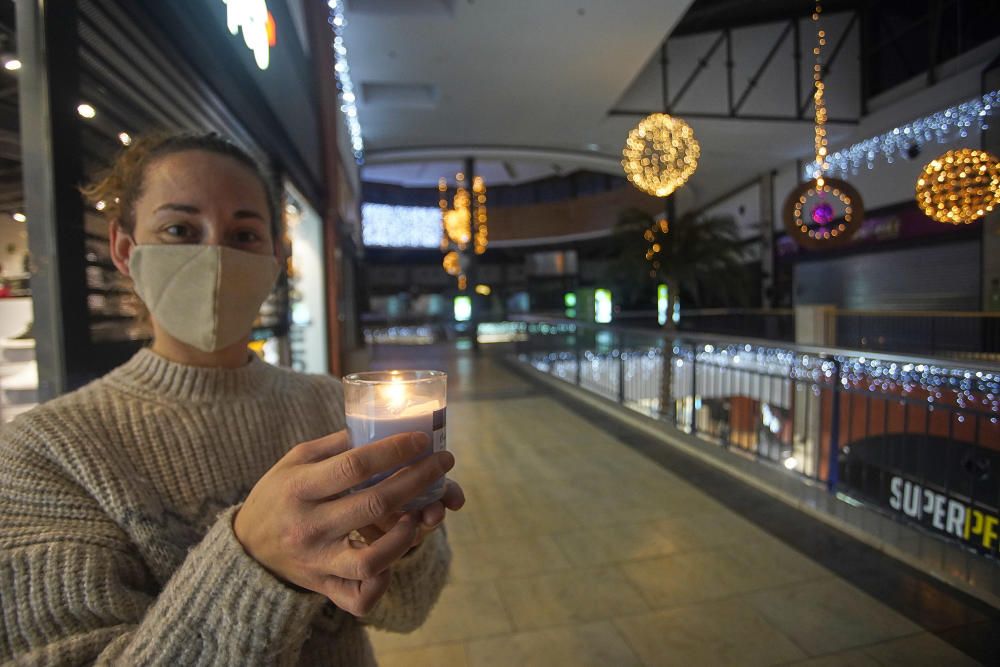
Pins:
x: 903, y: 141
x: 348, y: 98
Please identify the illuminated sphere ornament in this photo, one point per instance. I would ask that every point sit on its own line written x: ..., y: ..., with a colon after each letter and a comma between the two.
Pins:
x: 823, y: 214
x: 959, y: 187
x: 660, y: 154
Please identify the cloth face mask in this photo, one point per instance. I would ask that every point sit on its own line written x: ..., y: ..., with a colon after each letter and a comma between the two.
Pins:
x: 204, y: 295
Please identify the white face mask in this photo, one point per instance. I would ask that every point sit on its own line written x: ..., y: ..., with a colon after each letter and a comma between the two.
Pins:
x: 204, y: 295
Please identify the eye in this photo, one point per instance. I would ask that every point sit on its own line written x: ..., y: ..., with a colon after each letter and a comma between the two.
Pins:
x: 247, y: 236
x: 180, y: 232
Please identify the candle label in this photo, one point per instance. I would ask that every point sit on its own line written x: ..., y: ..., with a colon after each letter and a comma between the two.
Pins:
x: 439, y: 423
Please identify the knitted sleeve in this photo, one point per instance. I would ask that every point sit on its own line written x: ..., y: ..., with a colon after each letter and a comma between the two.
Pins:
x: 416, y: 583
x: 74, y: 591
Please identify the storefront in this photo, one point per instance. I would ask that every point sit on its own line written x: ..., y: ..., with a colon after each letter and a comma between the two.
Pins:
x: 113, y: 70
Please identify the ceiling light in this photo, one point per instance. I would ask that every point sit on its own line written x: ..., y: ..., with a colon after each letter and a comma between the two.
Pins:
x: 20, y: 217
x: 86, y: 111
x: 125, y: 138
x: 11, y: 63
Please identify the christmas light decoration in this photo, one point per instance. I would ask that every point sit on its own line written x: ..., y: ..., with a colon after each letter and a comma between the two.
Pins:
x: 959, y: 187
x: 900, y: 142
x: 451, y: 264
x: 463, y: 224
x: 660, y: 154
x: 654, y: 236
x: 822, y: 210
x: 384, y: 225
x: 348, y: 99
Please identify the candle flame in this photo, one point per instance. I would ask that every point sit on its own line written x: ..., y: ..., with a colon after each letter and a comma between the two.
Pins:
x: 396, y: 394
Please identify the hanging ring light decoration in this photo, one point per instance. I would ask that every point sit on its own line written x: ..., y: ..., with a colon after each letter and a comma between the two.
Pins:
x: 660, y: 154
x: 959, y: 187
x: 824, y: 211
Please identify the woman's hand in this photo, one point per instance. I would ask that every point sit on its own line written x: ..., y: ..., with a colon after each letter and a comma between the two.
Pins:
x: 297, y: 518
x: 427, y: 518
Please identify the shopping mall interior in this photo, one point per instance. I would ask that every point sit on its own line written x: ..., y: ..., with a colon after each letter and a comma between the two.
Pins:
x: 715, y: 284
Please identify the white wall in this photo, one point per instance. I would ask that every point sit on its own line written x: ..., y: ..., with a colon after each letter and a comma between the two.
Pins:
x: 743, y: 207
x: 13, y: 245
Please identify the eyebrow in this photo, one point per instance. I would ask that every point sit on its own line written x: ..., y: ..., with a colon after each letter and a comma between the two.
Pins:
x: 241, y: 214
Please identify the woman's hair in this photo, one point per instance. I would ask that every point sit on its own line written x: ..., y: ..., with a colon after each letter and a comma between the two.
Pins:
x: 121, y: 185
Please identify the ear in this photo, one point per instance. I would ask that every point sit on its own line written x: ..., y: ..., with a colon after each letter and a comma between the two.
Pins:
x: 121, y: 247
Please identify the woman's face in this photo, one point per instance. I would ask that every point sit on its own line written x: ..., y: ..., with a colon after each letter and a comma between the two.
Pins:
x: 198, y: 197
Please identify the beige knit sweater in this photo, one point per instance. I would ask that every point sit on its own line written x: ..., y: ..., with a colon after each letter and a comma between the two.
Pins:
x: 116, y: 539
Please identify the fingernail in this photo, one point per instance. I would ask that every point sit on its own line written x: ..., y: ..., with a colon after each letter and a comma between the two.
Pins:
x: 447, y: 460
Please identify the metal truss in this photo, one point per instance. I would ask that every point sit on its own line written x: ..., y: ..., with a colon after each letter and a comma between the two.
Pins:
x: 799, y: 104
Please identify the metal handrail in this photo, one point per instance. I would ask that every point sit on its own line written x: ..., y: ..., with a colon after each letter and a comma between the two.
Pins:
x: 815, y: 350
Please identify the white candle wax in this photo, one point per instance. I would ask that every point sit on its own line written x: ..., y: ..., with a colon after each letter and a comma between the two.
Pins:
x: 425, y: 417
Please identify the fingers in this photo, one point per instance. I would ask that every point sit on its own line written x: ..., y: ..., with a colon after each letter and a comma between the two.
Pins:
x: 372, y: 560
x: 373, y: 504
x: 454, y: 496
x: 321, y: 448
x: 356, y: 597
x: 432, y: 515
x: 330, y: 476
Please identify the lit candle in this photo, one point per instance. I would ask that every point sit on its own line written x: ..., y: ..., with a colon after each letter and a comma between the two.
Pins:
x: 384, y: 403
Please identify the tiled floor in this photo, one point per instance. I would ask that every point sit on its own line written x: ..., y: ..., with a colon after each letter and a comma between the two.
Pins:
x: 575, y: 549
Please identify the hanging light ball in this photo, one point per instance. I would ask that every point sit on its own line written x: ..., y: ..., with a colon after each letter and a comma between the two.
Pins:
x: 660, y: 154
x: 451, y: 264
x: 960, y: 186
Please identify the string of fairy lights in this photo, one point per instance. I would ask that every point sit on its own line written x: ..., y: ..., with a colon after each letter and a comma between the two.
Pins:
x: 820, y: 140
x: 345, y: 85
x: 457, y: 229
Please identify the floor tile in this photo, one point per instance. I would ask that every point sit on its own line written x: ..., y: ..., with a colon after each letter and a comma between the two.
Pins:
x: 722, y: 633
x: 829, y: 616
x: 439, y: 655
x: 699, y: 576
x: 590, y: 645
x: 499, y: 559
x: 574, y: 596
x: 465, y: 611
x: 852, y: 658
x: 616, y: 543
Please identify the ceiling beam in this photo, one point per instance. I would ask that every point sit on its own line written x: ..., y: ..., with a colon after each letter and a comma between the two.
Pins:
x: 740, y: 117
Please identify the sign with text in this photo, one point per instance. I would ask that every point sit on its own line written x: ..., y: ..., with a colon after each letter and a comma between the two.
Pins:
x: 975, y: 526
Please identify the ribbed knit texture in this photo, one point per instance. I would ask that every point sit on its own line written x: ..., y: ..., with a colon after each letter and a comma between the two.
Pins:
x: 116, y: 539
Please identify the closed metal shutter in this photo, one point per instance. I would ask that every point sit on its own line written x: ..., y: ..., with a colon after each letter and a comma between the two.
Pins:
x: 938, y: 277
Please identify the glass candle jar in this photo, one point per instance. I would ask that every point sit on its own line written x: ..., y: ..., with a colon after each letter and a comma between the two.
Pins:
x: 380, y: 404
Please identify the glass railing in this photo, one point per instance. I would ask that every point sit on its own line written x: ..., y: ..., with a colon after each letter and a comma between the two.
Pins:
x: 917, y: 438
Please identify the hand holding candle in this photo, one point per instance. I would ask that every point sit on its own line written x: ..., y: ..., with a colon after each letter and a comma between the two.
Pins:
x: 385, y: 403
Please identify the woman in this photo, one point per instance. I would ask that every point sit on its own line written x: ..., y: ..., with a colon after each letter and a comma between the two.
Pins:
x: 123, y: 538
